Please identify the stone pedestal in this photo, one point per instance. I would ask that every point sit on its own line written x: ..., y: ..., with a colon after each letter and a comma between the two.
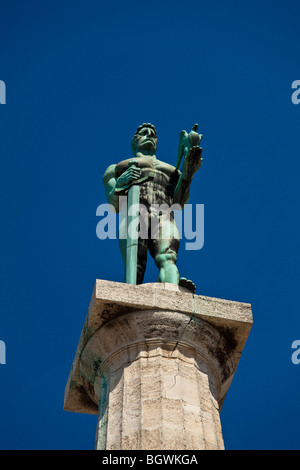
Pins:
x: 155, y: 362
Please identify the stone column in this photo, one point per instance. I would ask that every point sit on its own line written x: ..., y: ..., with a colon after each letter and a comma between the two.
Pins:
x: 155, y: 362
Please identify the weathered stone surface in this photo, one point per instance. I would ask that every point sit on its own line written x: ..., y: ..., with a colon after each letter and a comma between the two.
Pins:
x: 157, y: 362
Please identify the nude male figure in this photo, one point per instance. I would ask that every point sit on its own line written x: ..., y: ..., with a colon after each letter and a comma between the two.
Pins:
x: 161, y: 184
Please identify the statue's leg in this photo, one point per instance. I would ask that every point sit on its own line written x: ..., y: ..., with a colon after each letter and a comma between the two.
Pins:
x: 123, y: 247
x: 164, y: 251
x: 141, y: 260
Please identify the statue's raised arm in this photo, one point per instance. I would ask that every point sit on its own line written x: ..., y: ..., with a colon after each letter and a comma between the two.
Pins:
x: 190, y: 151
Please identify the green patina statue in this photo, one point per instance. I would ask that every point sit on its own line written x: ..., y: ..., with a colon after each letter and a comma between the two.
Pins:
x: 151, y: 184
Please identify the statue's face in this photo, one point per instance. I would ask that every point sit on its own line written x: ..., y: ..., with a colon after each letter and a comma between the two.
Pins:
x: 146, y: 139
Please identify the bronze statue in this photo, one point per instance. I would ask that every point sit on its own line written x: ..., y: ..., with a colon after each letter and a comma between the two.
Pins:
x: 155, y: 183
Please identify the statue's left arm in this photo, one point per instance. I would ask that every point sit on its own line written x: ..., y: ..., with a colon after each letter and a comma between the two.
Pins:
x: 191, y: 164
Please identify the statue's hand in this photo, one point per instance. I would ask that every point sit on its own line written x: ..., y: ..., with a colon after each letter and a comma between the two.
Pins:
x: 131, y: 174
x: 192, y: 162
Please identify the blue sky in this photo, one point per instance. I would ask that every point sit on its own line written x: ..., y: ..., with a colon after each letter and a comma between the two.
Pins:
x: 80, y: 77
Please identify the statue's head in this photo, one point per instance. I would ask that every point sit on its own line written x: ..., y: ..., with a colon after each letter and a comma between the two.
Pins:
x: 144, y: 139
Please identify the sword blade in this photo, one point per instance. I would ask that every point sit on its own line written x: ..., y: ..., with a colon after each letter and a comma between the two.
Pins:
x: 132, y: 234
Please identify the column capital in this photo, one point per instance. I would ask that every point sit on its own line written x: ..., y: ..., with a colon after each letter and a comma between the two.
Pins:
x: 148, y: 349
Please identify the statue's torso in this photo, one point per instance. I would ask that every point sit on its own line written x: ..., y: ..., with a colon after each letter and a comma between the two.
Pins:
x: 159, y: 188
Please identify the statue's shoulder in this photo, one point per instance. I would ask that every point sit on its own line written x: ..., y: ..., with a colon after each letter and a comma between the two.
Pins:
x: 109, y: 173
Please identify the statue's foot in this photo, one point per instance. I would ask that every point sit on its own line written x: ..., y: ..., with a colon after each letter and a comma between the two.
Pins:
x: 184, y: 282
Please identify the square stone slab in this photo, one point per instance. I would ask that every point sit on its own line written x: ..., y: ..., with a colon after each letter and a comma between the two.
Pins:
x: 111, y: 299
